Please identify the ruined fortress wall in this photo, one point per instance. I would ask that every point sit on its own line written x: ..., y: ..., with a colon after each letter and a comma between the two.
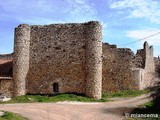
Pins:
x: 6, y: 81
x: 138, y: 75
x: 149, y: 69
x: 149, y: 58
x: 93, y: 60
x: 21, y: 58
x: 144, y: 59
x: 157, y: 64
x: 6, y: 87
x: 124, y: 70
x: 139, y: 59
x: 6, y: 68
x: 59, y: 54
x: 117, y: 69
x: 6, y: 56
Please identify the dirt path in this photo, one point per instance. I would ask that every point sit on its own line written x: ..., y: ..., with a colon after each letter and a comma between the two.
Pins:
x: 76, y: 110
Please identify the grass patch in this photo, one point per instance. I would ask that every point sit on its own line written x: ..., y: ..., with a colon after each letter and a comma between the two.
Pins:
x: 56, y: 98
x: 12, y: 116
x: 73, y: 97
x: 125, y: 93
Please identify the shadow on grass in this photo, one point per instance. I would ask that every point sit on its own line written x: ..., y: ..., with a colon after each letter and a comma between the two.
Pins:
x: 56, y: 94
x: 152, y: 107
x: 120, y: 111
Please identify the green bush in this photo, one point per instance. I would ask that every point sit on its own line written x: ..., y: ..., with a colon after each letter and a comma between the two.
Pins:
x: 7, y: 115
x: 12, y: 116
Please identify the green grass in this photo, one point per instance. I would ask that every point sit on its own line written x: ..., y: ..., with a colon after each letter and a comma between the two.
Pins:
x: 73, y: 97
x: 56, y: 98
x: 148, y: 104
x: 12, y: 116
x: 125, y: 93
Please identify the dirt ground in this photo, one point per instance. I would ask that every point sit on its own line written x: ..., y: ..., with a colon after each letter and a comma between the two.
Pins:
x: 76, y: 110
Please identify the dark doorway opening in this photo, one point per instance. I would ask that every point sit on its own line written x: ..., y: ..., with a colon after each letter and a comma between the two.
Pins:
x: 55, y: 87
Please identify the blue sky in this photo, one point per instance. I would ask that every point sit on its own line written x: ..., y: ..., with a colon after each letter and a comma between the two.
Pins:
x: 123, y: 21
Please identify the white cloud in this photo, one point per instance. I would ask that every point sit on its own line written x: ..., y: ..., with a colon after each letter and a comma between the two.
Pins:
x: 46, y: 11
x: 104, y: 26
x: 140, y: 34
x: 29, y: 6
x: 81, y: 10
x: 80, y: 1
x: 148, y: 9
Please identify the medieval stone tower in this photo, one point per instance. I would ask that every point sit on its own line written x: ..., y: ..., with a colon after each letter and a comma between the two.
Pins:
x: 58, y: 58
x: 21, y: 59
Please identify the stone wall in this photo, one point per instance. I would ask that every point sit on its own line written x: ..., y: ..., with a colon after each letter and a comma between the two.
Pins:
x: 6, y: 68
x: 70, y: 55
x: 144, y: 59
x: 66, y: 54
x: 6, y: 56
x: 157, y: 64
x: 122, y: 70
x: 117, y: 69
x: 6, y: 63
x: 157, y: 67
x: 149, y: 58
x: 6, y: 87
x: 139, y: 60
x: 149, y: 75
x: 57, y: 55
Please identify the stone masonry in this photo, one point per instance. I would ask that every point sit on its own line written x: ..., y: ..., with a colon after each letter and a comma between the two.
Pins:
x: 6, y: 81
x: 21, y: 59
x: 122, y: 70
x: 117, y: 69
x: 67, y: 58
x: 65, y: 54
